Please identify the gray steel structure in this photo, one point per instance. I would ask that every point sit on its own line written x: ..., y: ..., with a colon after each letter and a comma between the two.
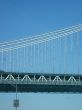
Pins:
x: 34, y: 82
x: 37, y: 57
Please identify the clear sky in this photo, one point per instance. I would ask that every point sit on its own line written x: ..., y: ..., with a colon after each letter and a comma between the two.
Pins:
x: 20, y: 18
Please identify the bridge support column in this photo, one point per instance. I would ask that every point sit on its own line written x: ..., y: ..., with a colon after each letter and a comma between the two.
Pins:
x: 16, y: 101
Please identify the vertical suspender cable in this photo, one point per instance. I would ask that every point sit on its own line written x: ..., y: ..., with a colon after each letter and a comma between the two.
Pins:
x: 42, y: 50
x: 59, y: 54
x: 41, y: 57
x: 78, y: 54
x: 10, y: 61
x: 34, y: 69
x: 5, y: 61
x: 2, y: 61
x: 24, y: 59
x: 71, y: 62
x: 49, y: 57
x: 17, y: 55
x: 65, y: 55
x: 38, y: 57
x: 31, y: 57
x: 13, y: 60
x: 45, y: 52
x: 43, y: 65
x: 51, y: 70
x: 53, y: 56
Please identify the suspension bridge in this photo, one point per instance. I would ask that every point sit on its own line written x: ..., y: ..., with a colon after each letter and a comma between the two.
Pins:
x: 49, y: 62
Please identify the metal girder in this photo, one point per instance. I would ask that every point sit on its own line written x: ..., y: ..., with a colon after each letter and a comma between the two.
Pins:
x: 29, y: 82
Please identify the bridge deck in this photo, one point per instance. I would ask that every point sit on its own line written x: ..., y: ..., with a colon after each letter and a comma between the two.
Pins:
x: 29, y: 82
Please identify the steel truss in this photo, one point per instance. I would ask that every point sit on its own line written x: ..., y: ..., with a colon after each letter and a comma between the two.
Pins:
x: 38, y: 82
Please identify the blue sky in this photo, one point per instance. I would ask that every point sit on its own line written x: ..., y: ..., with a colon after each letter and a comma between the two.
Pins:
x: 20, y: 18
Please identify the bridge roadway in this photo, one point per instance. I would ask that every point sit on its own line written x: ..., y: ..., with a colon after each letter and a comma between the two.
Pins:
x: 35, y: 82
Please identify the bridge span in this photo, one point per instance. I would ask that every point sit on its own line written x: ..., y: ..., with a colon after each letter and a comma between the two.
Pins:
x: 34, y: 62
x: 34, y: 82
